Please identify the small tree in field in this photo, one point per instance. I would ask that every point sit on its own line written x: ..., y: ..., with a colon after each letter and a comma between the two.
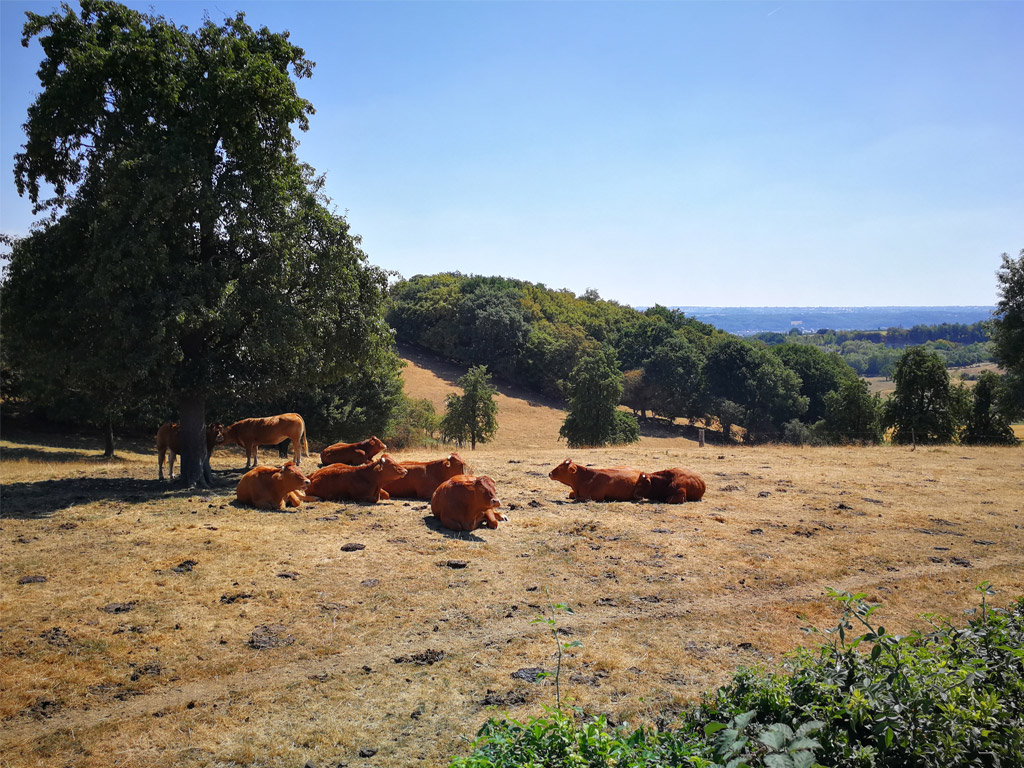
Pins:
x: 472, y: 416
x: 595, y: 389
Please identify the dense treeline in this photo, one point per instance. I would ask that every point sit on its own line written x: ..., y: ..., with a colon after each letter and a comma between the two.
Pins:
x: 524, y: 333
x: 673, y: 366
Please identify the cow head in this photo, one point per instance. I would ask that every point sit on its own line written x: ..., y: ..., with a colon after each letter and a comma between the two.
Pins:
x: 389, y: 469
x: 215, y: 433
x: 643, y: 487
x: 376, y: 445
x: 290, y: 477
x: 456, y: 465
x: 564, y: 472
x: 486, y: 498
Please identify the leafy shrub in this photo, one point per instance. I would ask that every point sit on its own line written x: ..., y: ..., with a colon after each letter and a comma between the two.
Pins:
x: 949, y: 697
x: 413, y: 424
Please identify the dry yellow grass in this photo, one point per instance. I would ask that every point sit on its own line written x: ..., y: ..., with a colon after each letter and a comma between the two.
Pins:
x: 667, y: 599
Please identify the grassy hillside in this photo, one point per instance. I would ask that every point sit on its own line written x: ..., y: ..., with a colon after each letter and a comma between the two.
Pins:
x: 176, y: 629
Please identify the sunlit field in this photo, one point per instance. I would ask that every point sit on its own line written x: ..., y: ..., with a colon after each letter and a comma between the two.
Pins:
x: 145, y: 625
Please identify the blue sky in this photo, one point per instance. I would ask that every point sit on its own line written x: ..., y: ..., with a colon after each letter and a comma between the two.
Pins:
x: 718, y: 154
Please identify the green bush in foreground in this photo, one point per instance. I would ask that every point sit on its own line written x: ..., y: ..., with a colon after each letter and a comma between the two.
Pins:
x: 949, y: 697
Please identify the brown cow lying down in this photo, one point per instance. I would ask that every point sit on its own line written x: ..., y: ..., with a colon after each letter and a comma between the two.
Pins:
x: 465, y: 502
x: 674, y: 485
x: 352, y: 454
x: 272, y: 488
x: 252, y: 433
x: 363, y: 483
x: 590, y: 484
x: 168, y: 440
x: 423, y: 477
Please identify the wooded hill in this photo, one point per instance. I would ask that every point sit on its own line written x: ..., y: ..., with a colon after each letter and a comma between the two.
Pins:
x: 673, y: 366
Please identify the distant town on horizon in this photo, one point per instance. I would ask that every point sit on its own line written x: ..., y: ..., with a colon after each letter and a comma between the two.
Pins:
x: 746, y: 321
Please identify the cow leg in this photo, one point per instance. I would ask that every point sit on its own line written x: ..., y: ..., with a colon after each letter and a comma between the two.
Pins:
x: 170, y: 465
x: 489, y: 519
x: 677, y: 498
x: 160, y: 464
x: 384, y: 495
x: 295, y: 499
x: 298, y: 450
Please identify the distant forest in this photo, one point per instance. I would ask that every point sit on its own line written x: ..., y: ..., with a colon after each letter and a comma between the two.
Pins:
x: 874, y: 353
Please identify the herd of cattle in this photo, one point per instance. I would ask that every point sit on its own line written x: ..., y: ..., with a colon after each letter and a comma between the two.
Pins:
x: 364, y: 472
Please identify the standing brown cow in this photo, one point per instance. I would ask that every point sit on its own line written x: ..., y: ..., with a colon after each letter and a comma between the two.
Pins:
x: 674, y: 486
x: 352, y: 454
x: 272, y: 488
x: 362, y: 483
x: 252, y: 433
x: 168, y: 440
x: 591, y: 484
x: 465, y: 502
x: 423, y: 477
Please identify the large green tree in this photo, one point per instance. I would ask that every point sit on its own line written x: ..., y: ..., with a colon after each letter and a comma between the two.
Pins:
x: 675, y: 375
x: 820, y: 373
x: 595, y: 389
x: 853, y: 414
x: 986, y: 424
x: 181, y: 219
x: 471, y: 417
x: 749, y: 376
x: 924, y: 407
x: 1007, y: 329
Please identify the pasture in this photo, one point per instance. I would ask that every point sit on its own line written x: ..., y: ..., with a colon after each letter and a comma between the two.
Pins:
x: 173, y: 628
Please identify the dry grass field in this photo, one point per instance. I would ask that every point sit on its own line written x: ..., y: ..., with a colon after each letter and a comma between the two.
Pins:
x: 173, y: 628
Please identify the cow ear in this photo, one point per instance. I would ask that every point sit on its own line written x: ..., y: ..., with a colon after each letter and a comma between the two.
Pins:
x: 448, y: 461
x: 572, y: 468
x: 276, y: 477
x: 378, y: 467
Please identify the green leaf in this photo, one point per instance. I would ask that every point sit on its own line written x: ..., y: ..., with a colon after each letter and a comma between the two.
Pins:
x: 712, y: 728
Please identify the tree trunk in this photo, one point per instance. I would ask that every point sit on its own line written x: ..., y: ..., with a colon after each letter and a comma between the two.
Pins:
x: 108, y: 439
x: 193, y: 460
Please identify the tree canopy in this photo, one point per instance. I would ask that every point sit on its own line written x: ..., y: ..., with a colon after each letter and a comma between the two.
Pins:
x: 1008, y: 328
x: 922, y: 408
x: 595, y: 389
x: 198, y: 256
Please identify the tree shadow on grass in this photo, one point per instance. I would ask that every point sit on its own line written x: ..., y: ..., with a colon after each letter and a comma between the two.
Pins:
x: 40, y: 500
x: 656, y: 427
x: 92, y: 443
x: 435, y: 525
x: 54, y: 457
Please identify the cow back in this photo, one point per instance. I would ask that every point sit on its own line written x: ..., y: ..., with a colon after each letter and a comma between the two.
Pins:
x: 423, y: 477
x: 352, y: 454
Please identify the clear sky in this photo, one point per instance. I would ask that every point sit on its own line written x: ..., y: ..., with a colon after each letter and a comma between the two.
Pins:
x: 685, y: 153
